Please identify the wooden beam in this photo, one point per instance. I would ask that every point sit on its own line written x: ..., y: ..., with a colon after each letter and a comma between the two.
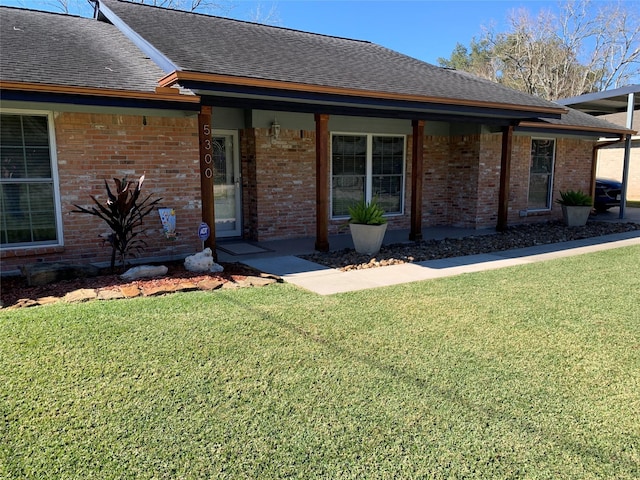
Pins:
x: 417, y: 159
x: 505, y: 174
x: 322, y: 182
x: 206, y: 175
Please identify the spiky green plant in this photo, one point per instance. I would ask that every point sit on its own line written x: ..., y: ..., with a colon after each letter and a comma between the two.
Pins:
x: 367, y: 213
x: 124, y: 213
x: 575, y: 198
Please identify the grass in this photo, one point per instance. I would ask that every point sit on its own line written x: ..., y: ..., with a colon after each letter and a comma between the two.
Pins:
x: 528, y: 372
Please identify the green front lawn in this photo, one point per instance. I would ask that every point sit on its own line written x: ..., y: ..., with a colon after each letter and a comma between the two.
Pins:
x: 526, y: 372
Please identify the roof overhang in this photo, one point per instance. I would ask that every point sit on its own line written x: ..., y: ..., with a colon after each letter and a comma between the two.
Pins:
x: 238, y: 91
x: 573, y: 129
x: 163, y: 98
x: 605, y: 102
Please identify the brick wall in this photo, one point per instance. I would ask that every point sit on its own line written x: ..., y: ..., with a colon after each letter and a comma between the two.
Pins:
x: 249, y: 184
x: 460, y: 185
x: 436, y: 205
x: 281, y: 191
x: 92, y: 148
x: 572, y: 171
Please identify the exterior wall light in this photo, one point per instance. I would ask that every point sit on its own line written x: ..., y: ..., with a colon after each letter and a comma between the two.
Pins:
x: 275, y: 129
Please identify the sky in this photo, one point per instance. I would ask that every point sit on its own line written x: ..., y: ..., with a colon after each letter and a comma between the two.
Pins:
x: 423, y: 29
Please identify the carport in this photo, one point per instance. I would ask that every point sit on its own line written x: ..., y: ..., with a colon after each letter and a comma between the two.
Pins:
x: 624, y: 99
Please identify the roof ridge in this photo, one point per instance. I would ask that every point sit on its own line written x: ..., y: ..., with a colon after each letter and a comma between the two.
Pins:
x: 246, y: 22
x: 60, y: 14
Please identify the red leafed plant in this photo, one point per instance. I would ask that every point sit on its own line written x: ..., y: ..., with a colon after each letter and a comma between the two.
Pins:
x: 124, y: 213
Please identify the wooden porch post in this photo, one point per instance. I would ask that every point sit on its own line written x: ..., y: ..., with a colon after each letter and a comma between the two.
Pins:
x: 206, y: 175
x: 417, y: 158
x: 322, y: 182
x: 505, y: 173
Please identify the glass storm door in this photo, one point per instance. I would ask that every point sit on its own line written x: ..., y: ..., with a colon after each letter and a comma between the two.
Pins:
x: 226, y: 188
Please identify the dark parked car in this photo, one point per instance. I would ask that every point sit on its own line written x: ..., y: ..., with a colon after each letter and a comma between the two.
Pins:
x: 607, y: 194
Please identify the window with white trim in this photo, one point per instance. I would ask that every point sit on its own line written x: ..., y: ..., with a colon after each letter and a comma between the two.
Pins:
x: 543, y: 151
x: 366, y: 166
x: 28, y: 215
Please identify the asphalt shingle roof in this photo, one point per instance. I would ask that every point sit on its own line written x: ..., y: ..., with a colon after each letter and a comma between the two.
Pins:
x: 49, y: 48
x: 576, y: 118
x: 215, y: 45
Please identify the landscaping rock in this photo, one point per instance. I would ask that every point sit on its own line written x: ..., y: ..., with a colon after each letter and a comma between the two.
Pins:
x: 110, y: 294
x: 130, y: 291
x: 210, y: 284
x: 260, y: 281
x: 144, y: 271
x: 23, y: 303
x: 202, y: 262
x: 80, y: 295
x: 47, y: 300
x: 44, y: 273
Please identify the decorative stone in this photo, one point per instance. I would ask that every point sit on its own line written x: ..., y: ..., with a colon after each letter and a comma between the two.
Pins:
x: 80, y: 295
x: 156, y: 291
x: 130, y: 291
x: 23, y: 303
x: 144, y: 271
x: 47, y: 300
x: 210, y: 284
x: 44, y: 273
x: 186, y: 287
x: 202, y: 262
x: 110, y: 295
x: 260, y: 281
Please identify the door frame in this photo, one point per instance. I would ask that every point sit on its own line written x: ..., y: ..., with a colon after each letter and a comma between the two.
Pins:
x: 237, y: 177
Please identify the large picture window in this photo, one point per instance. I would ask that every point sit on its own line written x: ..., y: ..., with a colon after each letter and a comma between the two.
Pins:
x: 367, y: 167
x: 541, y: 173
x: 27, y: 191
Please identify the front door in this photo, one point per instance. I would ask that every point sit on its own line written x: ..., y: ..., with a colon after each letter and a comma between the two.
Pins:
x: 226, y: 189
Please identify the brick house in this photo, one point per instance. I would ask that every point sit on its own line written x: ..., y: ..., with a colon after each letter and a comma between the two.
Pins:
x: 261, y: 132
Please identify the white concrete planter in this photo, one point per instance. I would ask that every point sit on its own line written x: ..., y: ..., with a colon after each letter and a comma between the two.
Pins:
x: 575, y: 216
x: 367, y: 239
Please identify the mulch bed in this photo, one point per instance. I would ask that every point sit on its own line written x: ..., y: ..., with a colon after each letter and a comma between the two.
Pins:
x: 15, y: 288
x: 519, y: 236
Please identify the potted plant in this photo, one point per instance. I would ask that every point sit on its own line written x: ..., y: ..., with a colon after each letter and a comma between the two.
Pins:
x: 368, y: 226
x: 576, y: 207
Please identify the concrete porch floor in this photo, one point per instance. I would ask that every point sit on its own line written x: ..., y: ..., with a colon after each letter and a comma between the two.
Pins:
x: 301, y: 246
x: 280, y: 257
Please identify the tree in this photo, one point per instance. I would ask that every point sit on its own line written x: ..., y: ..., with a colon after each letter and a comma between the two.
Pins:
x: 477, y: 61
x: 585, y: 48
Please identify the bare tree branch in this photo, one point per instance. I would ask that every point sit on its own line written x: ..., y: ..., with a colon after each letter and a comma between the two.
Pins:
x: 589, y: 46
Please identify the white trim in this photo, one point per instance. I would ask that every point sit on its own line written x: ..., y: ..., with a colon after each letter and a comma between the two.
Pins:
x: 369, y: 170
x: 53, y: 157
x: 552, y: 175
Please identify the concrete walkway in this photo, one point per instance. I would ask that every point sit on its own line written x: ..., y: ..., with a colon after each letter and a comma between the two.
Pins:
x: 327, y: 281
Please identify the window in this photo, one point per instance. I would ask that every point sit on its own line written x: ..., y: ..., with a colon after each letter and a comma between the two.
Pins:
x: 27, y: 191
x: 367, y: 167
x: 541, y: 173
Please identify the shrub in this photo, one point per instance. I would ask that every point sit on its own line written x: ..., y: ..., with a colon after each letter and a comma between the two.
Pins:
x: 124, y: 213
